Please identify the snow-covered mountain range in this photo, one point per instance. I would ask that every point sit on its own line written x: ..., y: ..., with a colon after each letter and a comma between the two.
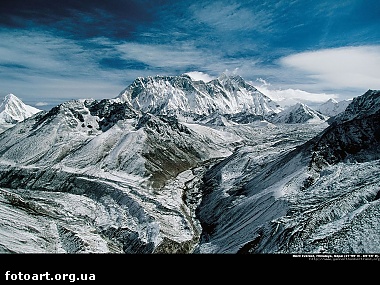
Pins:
x: 174, y: 95
x: 173, y: 165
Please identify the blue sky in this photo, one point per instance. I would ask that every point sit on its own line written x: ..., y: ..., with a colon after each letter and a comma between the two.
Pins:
x: 51, y: 52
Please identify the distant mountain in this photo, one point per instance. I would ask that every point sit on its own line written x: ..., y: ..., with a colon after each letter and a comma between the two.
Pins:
x: 180, y: 95
x: 299, y: 114
x: 332, y: 107
x: 13, y: 110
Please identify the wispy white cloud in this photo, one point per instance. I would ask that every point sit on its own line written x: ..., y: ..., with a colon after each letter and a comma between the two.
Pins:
x: 46, y: 52
x: 41, y: 104
x: 346, y: 67
x: 175, y: 58
x: 289, y: 96
x: 197, y: 75
x: 163, y: 55
x: 31, y: 51
x: 231, y: 16
x: 41, y: 66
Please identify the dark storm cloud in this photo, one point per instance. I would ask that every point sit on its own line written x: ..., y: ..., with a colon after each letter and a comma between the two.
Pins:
x: 115, y: 18
x: 42, y: 11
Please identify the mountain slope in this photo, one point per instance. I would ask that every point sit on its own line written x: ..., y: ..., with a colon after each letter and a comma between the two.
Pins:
x: 302, y: 200
x: 133, y: 167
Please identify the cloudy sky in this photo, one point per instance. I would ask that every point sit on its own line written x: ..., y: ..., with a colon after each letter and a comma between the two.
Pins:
x: 53, y: 51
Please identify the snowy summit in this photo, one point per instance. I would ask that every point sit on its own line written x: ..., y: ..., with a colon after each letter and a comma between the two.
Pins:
x: 13, y: 110
x: 181, y: 95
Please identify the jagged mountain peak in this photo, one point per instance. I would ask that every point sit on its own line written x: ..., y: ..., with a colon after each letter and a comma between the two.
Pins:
x: 234, y: 81
x: 332, y: 100
x: 361, y: 106
x: 332, y: 107
x: 299, y: 113
x: 9, y: 98
x: 353, y: 135
x: 13, y: 110
x: 89, y: 115
x: 233, y: 77
x: 176, y: 95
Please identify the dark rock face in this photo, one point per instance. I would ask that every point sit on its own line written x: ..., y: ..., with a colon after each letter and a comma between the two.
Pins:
x: 355, y: 140
x: 170, y: 148
x: 353, y: 135
x: 360, y: 107
x: 110, y: 112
